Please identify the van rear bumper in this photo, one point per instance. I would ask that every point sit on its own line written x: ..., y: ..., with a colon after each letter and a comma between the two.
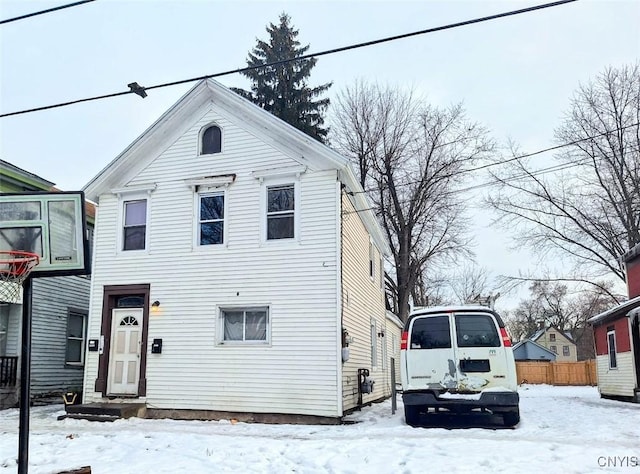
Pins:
x: 494, y: 401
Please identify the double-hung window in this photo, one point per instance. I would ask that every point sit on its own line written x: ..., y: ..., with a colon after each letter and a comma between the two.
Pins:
x: 76, y: 329
x: 211, y: 218
x: 135, y: 225
x: 245, y: 325
x: 281, y: 212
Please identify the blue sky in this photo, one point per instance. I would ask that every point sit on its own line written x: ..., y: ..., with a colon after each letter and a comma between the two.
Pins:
x: 515, y: 75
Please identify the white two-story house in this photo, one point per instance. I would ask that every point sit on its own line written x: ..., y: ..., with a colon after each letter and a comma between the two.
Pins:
x: 238, y: 270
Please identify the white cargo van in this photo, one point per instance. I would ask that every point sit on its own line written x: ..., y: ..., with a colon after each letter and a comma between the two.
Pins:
x: 459, y: 359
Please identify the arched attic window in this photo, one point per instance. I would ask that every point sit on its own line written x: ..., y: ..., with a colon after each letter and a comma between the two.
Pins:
x: 211, y: 140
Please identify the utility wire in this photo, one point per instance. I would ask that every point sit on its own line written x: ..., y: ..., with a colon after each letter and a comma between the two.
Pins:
x: 519, y: 157
x: 539, y: 172
x: 136, y: 89
x: 50, y: 10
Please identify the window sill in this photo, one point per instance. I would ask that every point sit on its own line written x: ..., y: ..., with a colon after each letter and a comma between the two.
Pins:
x: 243, y: 344
x: 281, y: 243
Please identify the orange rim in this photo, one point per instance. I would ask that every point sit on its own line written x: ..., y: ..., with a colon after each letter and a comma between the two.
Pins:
x: 17, y: 263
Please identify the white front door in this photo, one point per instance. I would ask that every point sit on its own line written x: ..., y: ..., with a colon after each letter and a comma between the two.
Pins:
x: 124, y: 354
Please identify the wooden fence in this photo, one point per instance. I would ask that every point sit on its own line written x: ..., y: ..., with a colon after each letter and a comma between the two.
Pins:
x: 557, y: 373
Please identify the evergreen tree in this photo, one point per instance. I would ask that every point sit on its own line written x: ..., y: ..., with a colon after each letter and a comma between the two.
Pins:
x: 282, y: 89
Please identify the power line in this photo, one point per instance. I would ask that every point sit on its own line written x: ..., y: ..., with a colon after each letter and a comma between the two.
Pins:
x: 541, y: 171
x: 55, y: 9
x: 520, y: 157
x: 139, y: 89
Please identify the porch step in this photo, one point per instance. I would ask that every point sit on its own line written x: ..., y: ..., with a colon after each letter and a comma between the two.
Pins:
x: 105, y: 411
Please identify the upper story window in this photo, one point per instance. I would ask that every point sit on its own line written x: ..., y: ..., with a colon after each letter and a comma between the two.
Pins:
x: 211, y: 218
x: 211, y: 140
x: 135, y: 225
x: 372, y: 265
x: 552, y: 337
x: 281, y: 212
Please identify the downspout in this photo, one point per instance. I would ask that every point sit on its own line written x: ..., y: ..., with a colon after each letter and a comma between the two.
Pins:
x: 339, y: 309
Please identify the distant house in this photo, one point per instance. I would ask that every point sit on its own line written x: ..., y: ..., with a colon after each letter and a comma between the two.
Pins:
x: 532, y: 351
x: 556, y: 341
x: 617, y: 339
x: 238, y: 271
x: 60, y: 307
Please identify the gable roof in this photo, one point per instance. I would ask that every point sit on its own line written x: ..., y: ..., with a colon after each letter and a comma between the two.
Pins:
x: 524, y: 342
x: 264, y: 125
x: 538, y: 334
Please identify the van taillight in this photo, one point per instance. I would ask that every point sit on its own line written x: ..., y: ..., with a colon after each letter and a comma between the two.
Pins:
x: 403, y: 341
x: 505, y: 337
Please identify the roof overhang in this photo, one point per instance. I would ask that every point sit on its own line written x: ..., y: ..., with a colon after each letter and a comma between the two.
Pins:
x: 622, y: 310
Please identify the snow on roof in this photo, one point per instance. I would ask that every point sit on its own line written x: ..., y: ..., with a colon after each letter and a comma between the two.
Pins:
x: 621, y: 309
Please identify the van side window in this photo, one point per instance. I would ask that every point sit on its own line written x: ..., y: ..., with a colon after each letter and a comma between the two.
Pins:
x: 431, y: 333
x: 476, y: 331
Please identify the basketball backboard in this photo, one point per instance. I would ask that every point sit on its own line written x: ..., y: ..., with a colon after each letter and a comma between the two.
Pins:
x: 52, y: 225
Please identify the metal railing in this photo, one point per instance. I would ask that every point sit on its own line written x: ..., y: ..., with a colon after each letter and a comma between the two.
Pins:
x: 8, y: 371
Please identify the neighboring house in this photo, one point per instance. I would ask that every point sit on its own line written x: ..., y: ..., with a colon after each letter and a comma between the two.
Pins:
x: 59, y: 318
x: 617, y: 336
x: 532, y: 351
x: 557, y: 342
x: 235, y: 258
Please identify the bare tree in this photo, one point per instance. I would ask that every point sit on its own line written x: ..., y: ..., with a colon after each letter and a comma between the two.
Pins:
x: 410, y: 156
x: 553, y: 304
x: 470, y: 283
x: 589, y: 212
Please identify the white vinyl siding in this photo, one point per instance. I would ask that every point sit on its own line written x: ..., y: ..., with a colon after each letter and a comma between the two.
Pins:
x: 296, y: 372
x: 363, y: 307
x: 619, y: 382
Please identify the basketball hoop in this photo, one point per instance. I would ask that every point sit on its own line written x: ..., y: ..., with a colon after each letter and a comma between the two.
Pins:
x: 15, y: 267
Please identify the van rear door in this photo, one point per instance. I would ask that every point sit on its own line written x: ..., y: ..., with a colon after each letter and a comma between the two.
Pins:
x: 429, y: 356
x: 480, y: 354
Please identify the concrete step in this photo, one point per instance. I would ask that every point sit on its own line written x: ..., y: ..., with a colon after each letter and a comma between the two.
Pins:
x: 80, y: 416
x: 105, y: 411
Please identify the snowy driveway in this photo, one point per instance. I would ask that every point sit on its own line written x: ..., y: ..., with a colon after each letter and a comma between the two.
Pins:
x: 563, y: 429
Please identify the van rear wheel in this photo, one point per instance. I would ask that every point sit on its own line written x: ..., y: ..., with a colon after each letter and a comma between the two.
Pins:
x: 511, y: 418
x: 411, y: 415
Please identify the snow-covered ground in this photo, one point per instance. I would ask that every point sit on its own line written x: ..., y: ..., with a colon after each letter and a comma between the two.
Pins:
x: 563, y: 429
